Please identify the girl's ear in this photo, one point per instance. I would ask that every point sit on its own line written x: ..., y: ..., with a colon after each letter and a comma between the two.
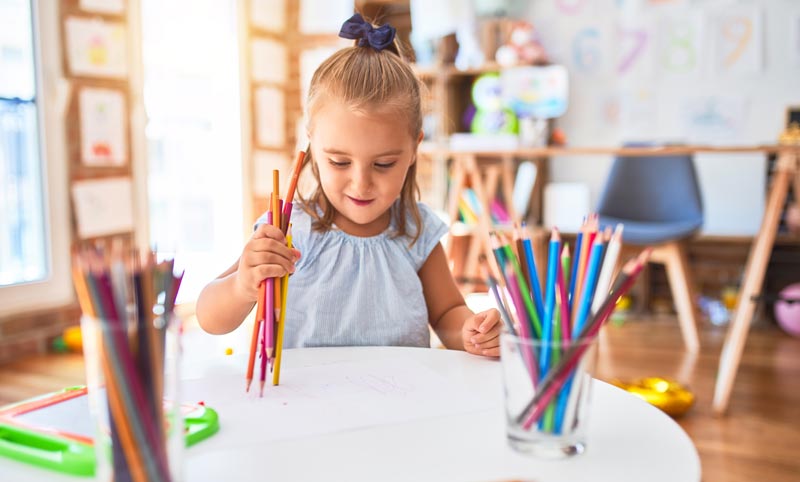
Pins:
x: 420, y: 137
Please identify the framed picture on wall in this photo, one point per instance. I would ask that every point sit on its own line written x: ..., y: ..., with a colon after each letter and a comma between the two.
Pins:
x: 103, y: 206
x: 268, y: 15
x: 324, y: 16
x: 103, y: 126
x: 111, y: 7
x: 270, y: 61
x: 270, y: 119
x: 95, y: 48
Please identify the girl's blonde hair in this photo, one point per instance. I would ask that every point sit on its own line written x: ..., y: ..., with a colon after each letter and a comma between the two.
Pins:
x: 364, y: 78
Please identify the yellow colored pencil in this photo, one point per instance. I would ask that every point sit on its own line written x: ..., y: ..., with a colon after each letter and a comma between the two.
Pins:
x: 276, y: 367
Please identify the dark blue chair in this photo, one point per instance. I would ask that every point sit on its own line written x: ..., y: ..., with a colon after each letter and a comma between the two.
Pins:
x: 658, y: 200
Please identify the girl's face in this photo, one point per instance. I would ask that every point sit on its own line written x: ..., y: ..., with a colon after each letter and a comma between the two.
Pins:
x: 363, y: 159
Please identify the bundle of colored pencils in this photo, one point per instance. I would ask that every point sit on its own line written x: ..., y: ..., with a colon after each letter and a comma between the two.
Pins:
x: 267, y: 338
x: 128, y: 305
x: 562, y: 320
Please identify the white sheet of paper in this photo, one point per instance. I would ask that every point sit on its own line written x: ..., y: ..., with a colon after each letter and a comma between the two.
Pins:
x: 269, y: 15
x: 330, y: 398
x: 324, y: 16
x: 96, y: 48
x: 263, y: 164
x: 102, y: 127
x: 716, y: 119
x: 737, y: 40
x: 794, y: 30
x: 103, y: 6
x: 270, y: 118
x: 103, y: 206
x: 269, y: 61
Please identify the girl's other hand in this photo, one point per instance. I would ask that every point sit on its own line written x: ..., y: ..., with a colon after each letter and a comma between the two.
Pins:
x: 481, y: 333
x: 264, y: 256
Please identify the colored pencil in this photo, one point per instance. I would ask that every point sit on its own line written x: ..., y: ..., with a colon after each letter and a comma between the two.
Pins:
x: 287, y: 205
x: 556, y: 378
x: 609, y: 265
x: 550, y: 301
x: 276, y: 374
x: 533, y: 273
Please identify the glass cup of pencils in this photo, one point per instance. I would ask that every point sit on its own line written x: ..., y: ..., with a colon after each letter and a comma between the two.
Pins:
x: 131, y: 345
x: 546, y: 404
x: 131, y: 373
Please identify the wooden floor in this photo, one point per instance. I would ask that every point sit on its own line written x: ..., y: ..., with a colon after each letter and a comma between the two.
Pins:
x: 758, y: 440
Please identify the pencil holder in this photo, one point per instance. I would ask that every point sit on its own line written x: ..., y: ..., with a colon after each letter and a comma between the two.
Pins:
x: 132, y: 377
x: 547, y: 390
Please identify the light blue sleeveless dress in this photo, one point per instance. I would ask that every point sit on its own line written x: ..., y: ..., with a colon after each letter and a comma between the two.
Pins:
x: 352, y: 291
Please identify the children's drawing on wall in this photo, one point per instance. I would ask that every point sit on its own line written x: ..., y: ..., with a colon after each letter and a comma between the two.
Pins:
x: 268, y: 15
x: 113, y: 7
x: 270, y: 61
x: 638, y: 113
x: 715, y: 120
x: 737, y: 40
x: 635, y: 47
x: 96, y: 48
x: 103, y: 206
x: 102, y: 127
x: 324, y: 16
x: 680, y: 44
x: 270, y: 123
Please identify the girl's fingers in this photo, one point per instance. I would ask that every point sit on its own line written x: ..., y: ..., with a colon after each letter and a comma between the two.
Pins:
x: 480, y: 338
x: 269, y: 271
x: 269, y: 231
x: 271, y: 245
x: 262, y: 258
x: 490, y: 320
x: 495, y: 352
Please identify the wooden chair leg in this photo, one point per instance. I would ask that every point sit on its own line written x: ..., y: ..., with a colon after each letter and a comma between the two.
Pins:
x: 674, y: 258
x: 755, y: 271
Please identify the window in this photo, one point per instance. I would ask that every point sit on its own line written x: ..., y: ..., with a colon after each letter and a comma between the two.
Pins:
x: 34, y: 228
x: 22, y: 250
x: 192, y: 100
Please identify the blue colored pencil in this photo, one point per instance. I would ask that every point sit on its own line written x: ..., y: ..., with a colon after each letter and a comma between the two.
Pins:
x: 533, y: 273
x: 573, y: 274
x: 550, y: 304
x: 589, y: 284
x: 587, y: 294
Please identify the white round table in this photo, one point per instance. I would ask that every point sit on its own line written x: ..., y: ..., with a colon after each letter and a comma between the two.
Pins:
x: 428, y: 435
x: 627, y: 438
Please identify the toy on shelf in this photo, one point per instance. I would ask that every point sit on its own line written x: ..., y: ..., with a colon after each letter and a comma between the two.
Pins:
x: 522, y: 48
x: 491, y: 116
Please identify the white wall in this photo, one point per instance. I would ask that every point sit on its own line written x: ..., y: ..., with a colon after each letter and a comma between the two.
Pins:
x: 742, y: 72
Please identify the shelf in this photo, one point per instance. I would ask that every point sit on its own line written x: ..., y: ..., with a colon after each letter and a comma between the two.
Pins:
x: 459, y: 228
x: 449, y: 70
x: 436, y: 149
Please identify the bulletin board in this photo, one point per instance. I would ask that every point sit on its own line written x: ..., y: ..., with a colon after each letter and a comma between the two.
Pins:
x: 96, y: 41
x: 287, y: 40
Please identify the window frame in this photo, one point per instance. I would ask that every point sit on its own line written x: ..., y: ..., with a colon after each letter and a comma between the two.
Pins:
x: 52, y: 92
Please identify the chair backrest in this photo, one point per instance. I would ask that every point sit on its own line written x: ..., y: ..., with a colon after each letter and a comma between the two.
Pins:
x: 652, y: 188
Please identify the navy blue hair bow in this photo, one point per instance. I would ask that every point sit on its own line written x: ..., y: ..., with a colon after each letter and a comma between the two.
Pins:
x: 356, y: 27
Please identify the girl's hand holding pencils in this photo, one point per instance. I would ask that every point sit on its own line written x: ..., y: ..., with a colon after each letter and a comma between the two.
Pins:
x: 266, y: 255
x: 481, y: 333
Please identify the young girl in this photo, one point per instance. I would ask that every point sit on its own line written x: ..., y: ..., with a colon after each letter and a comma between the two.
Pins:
x: 372, y: 270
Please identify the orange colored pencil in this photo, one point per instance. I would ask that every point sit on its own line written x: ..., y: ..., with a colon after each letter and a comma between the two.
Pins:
x: 287, y: 204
